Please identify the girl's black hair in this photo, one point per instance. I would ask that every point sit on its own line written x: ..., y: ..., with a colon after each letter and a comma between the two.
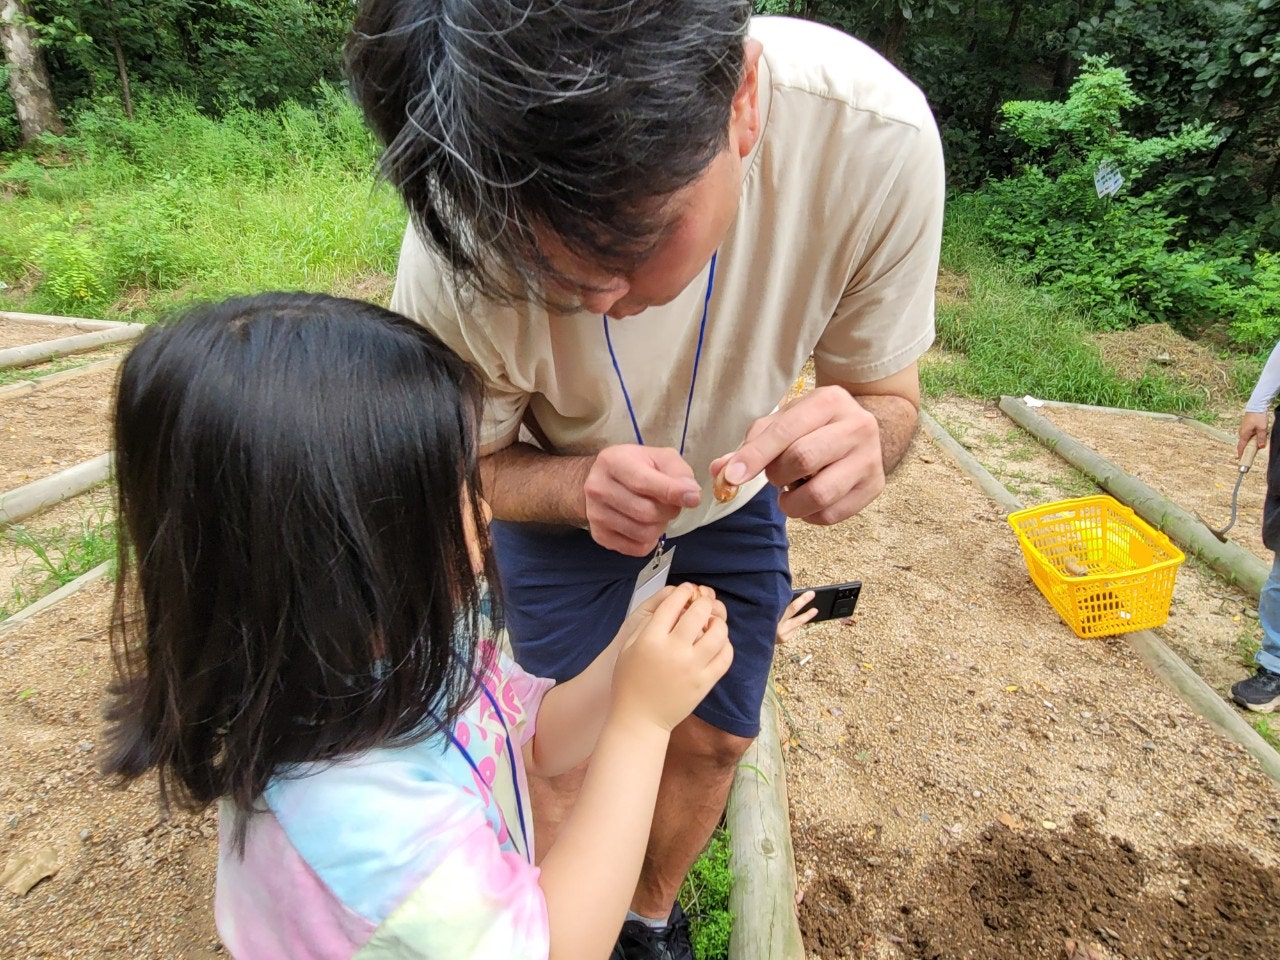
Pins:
x: 294, y: 477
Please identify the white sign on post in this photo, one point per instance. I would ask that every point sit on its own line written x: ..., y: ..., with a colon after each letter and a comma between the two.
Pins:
x: 1107, y: 180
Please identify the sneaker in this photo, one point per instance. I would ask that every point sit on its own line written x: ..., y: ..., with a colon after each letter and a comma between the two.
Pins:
x: 1260, y: 693
x: 639, y: 941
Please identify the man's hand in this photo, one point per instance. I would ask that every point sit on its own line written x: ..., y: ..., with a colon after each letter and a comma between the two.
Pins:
x: 823, y: 450
x: 1253, y: 426
x: 632, y: 493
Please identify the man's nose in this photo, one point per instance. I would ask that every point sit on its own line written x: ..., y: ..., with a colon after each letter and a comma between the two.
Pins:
x: 602, y: 299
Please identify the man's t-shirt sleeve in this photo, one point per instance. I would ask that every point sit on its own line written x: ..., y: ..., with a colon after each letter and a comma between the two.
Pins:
x: 887, y: 310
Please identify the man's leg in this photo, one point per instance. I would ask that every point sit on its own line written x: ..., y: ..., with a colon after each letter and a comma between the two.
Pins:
x: 701, y: 761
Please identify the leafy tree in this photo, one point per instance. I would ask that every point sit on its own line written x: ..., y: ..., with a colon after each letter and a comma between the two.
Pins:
x: 219, y: 52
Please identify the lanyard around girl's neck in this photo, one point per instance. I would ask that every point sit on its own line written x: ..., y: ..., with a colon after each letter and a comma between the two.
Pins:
x: 693, y: 379
x: 527, y: 853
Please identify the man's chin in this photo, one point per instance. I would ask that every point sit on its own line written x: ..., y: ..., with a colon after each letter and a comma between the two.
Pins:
x: 622, y: 313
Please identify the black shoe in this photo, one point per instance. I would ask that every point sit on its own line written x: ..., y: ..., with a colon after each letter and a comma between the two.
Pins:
x: 639, y: 941
x: 1260, y: 693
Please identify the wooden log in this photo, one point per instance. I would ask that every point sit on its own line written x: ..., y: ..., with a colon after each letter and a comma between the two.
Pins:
x: 1191, y: 687
x: 31, y: 498
x: 763, y: 896
x: 1169, y: 668
x: 25, y: 388
x: 1234, y: 562
x: 44, y: 603
x: 31, y: 353
x: 49, y: 320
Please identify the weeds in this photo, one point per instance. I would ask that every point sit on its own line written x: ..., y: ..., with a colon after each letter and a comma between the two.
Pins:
x: 1247, y: 645
x: 1012, y: 339
x: 58, y: 556
x: 705, y: 898
x: 1266, y: 731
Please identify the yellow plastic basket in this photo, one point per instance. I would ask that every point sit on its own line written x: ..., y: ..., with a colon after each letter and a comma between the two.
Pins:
x: 1102, y: 567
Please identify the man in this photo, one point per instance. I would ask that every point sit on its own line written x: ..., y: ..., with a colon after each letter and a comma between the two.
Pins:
x: 639, y: 219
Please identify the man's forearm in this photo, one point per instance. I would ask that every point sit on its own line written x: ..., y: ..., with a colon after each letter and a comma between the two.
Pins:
x: 898, y: 420
x: 523, y: 483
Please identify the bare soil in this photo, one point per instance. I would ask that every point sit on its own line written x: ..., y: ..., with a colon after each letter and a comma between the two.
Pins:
x: 14, y: 334
x: 56, y: 427
x: 968, y: 778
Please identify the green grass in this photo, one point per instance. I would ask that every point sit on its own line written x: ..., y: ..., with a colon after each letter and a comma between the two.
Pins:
x: 1267, y: 730
x: 1011, y: 339
x: 705, y: 898
x: 1248, y: 642
x: 129, y: 218
x: 56, y: 557
x: 18, y: 374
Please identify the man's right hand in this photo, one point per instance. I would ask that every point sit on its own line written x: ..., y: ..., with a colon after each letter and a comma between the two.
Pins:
x: 1252, y: 427
x: 632, y: 493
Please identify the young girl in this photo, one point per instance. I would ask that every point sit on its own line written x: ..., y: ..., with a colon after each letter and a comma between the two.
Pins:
x: 302, y: 634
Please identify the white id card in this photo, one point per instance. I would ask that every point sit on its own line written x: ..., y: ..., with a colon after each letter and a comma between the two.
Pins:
x: 652, y: 578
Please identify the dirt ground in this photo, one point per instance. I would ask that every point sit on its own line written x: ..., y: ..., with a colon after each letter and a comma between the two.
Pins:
x: 968, y: 778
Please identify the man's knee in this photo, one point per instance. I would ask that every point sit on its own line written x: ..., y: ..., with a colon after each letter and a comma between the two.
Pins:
x: 698, y: 743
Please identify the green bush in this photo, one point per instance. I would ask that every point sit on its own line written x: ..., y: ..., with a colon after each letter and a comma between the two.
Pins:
x: 1122, y: 260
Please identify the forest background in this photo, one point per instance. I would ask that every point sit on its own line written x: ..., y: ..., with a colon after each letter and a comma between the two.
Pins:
x: 1121, y: 156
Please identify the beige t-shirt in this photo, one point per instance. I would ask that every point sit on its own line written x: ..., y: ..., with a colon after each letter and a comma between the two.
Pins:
x: 834, y: 253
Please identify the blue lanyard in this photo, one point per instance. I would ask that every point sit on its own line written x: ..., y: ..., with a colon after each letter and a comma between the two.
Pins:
x: 515, y: 780
x: 697, y: 357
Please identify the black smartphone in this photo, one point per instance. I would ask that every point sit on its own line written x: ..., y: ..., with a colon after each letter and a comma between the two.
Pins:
x: 835, y: 601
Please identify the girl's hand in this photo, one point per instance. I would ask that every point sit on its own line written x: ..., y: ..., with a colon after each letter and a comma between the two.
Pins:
x: 640, y: 616
x: 679, y: 650
x: 790, y: 622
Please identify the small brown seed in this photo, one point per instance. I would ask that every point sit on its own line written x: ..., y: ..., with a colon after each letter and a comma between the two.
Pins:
x: 724, y: 490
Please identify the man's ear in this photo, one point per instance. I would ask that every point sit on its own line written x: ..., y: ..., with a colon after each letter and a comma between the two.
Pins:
x: 744, y: 112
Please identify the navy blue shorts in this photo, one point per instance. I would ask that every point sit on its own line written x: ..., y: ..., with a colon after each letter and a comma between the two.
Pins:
x: 565, y: 597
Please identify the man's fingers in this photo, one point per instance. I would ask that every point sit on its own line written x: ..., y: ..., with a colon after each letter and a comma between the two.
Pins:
x: 770, y: 436
x: 665, y: 477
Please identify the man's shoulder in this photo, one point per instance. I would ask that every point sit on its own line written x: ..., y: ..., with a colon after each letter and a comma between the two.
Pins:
x: 834, y: 67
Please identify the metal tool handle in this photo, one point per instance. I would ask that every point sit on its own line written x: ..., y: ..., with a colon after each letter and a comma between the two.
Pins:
x: 1250, y: 451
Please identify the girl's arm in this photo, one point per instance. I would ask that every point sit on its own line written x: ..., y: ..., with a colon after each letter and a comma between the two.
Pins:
x: 573, y: 713
x: 589, y: 876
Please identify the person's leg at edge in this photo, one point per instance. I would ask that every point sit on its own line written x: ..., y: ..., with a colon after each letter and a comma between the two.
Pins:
x: 1260, y: 692
x: 1268, y: 655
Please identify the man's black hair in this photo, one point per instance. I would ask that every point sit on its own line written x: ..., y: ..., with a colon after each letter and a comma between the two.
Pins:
x: 504, y: 120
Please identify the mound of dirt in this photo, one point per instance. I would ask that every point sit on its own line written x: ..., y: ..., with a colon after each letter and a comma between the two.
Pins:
x: 1158, y: 348
x: 1014, y: 895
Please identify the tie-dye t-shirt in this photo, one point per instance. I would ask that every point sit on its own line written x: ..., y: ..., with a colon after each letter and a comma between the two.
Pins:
x: 405, y: 852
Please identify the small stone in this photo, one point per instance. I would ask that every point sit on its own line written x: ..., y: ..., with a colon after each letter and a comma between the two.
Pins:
x: 1148, y: 745
x: 85, y: 745
x: 84, y: 836
x: 1049, y: 825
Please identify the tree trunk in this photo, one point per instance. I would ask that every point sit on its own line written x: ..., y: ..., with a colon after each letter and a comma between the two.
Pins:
x: 123, y: 69
x: 28, y: 77
x: 894, y: 34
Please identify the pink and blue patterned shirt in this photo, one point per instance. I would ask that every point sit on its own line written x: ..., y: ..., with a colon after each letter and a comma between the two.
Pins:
x: 406, y: 852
